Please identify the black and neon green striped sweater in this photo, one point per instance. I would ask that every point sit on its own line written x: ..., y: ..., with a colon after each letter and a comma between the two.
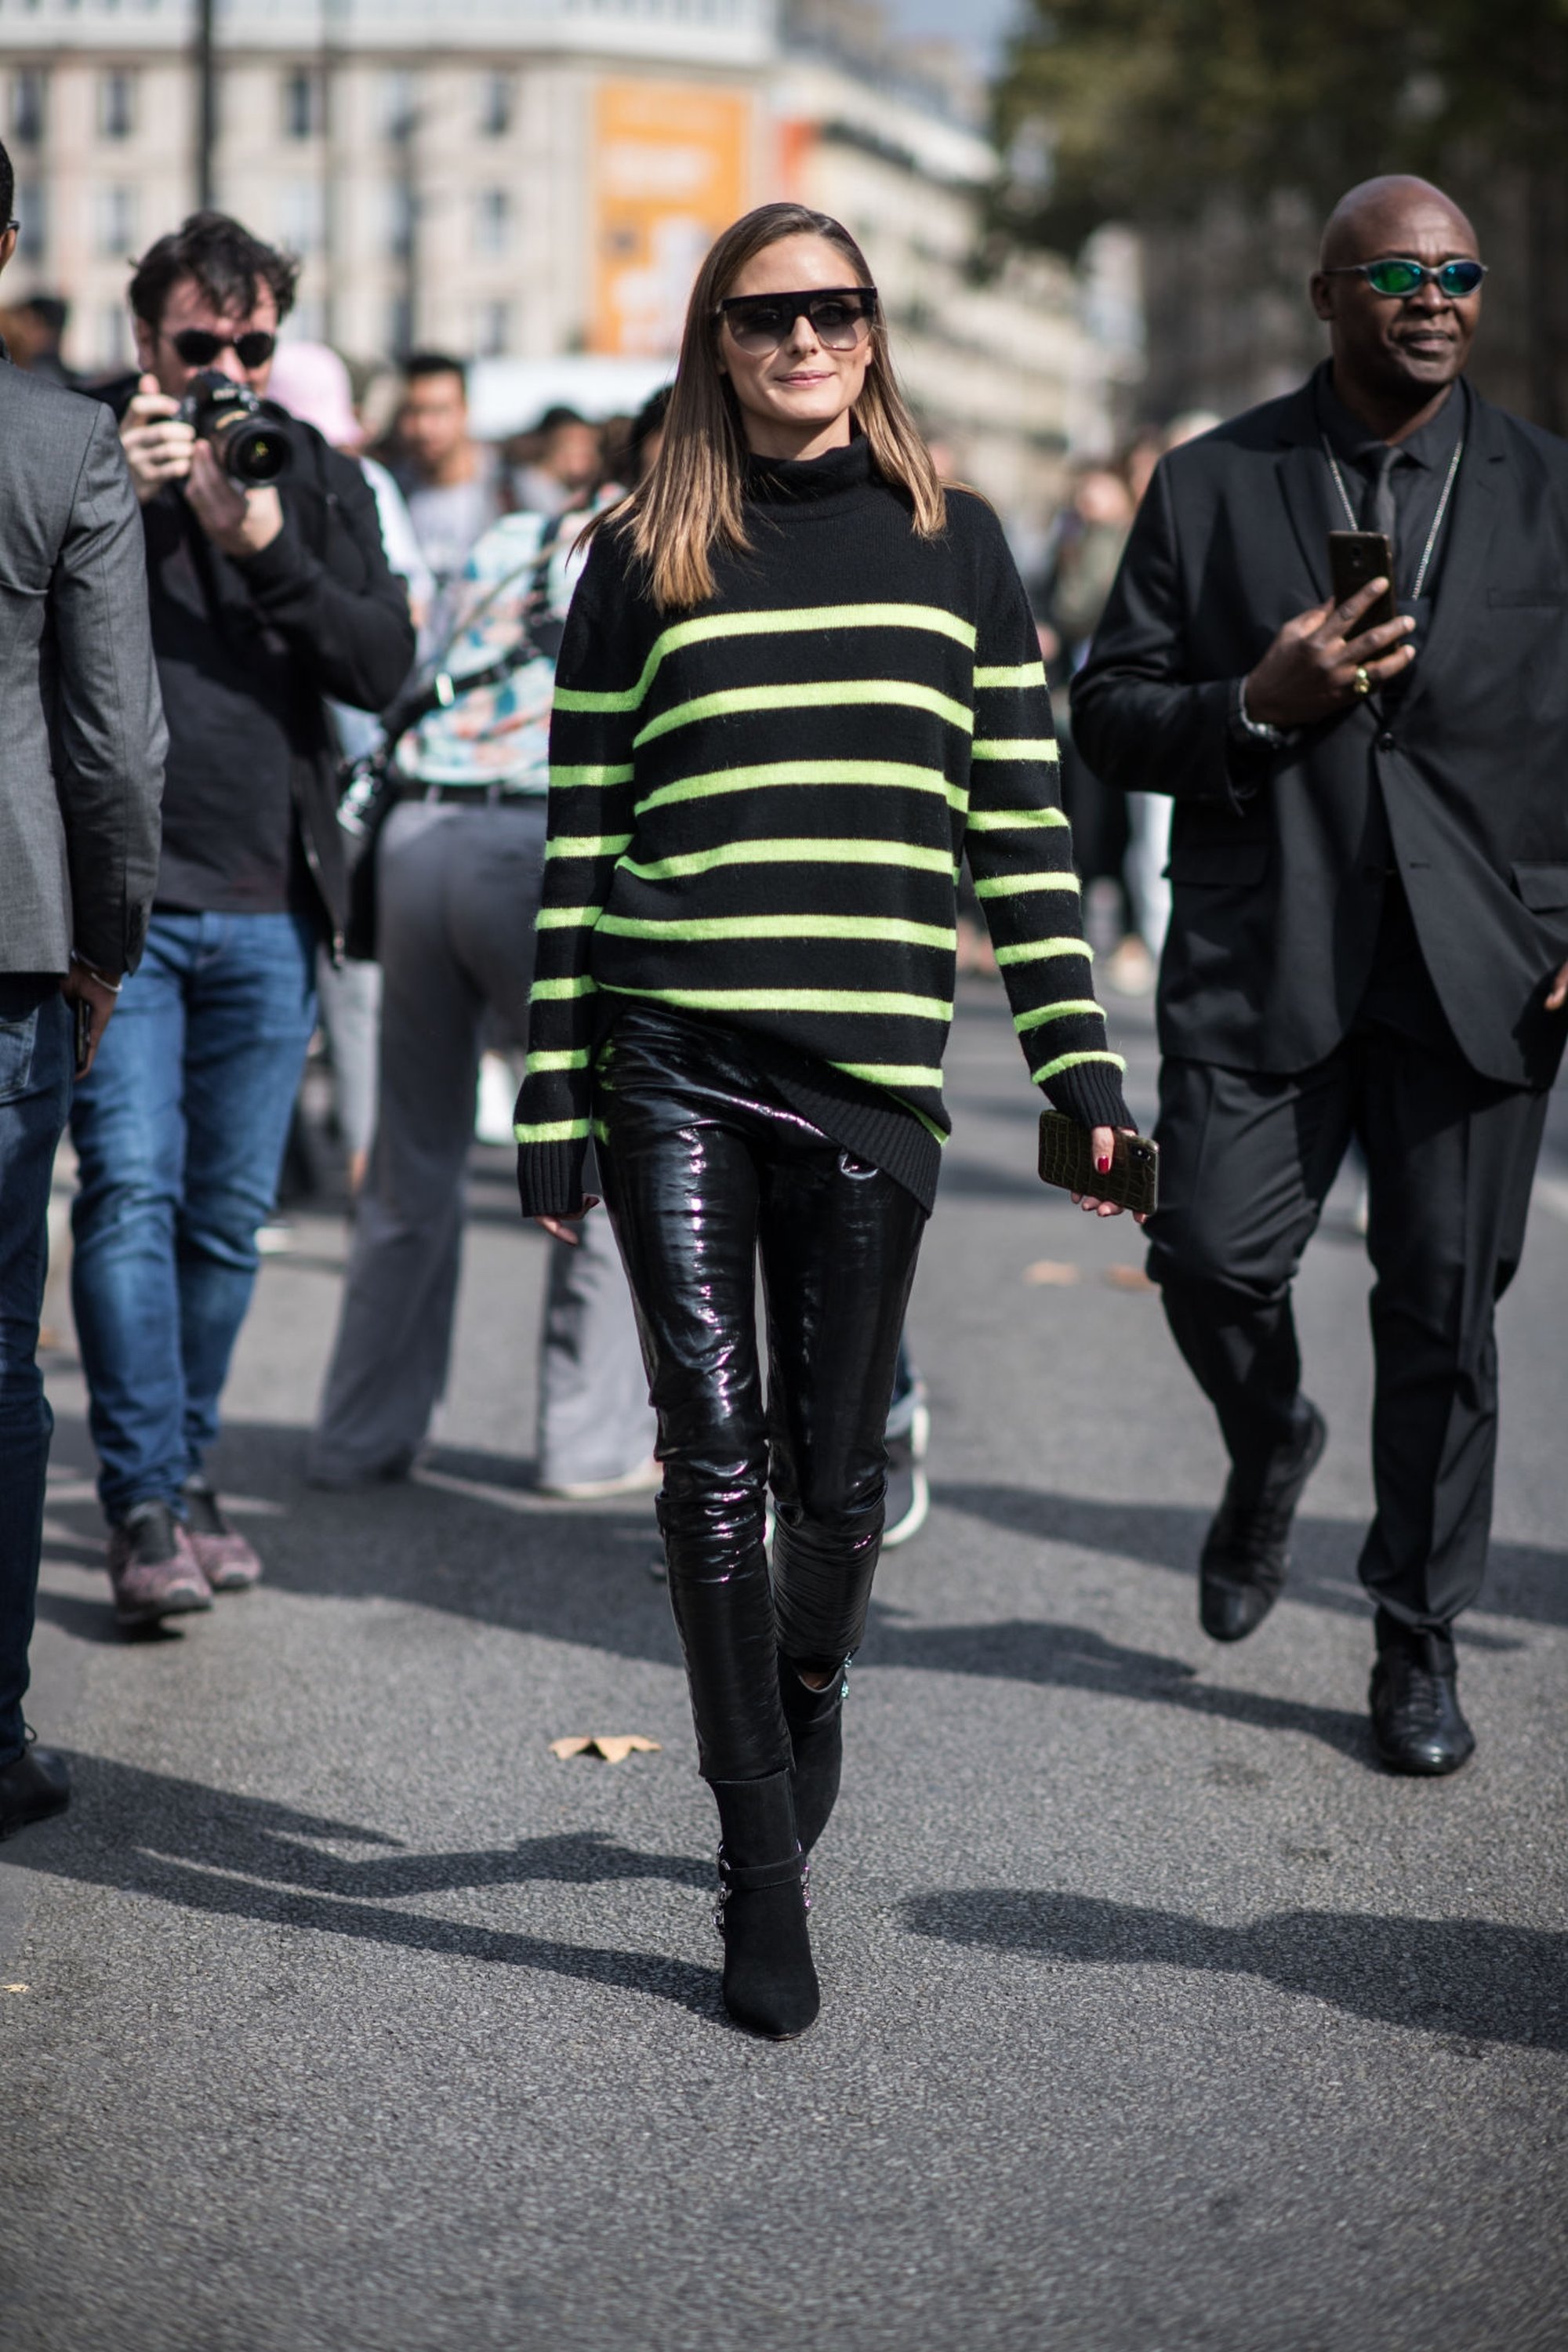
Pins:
x: 758, y: 809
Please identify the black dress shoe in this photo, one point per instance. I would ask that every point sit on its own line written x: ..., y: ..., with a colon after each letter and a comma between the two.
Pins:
x: 32, y: 1787
x: 1246, y: 1551
x: 1417, y: 1725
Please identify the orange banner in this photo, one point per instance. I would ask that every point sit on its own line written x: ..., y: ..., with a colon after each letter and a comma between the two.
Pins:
x: 669, y: 171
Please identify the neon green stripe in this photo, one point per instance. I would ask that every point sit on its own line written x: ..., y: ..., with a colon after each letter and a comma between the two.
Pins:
x: 553, y: 1130
x: 815, y: 617
x: 1014, y: 886
x: 1016, y: 747
x: 1070, y: 1062
x: 576, y: 1060
x: 587, y: 844
x: 1037, y: 951
x: 806, y: 771
x: 550, y: 991
x: 1004, y: 820
x: 590, y: 778
x: 1043, y: 1013
x: 783, y: 926
x: 891, y: 1073
x: 811, y: 851
x: 1018, y: 673
x: 862, y: 1000
x: 818, y: 694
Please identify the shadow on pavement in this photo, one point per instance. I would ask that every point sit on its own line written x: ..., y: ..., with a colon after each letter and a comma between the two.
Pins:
x: 1470, y: 1978
x: 1071, y: 1657
x: 1522, y: 1579
x: 206, y: 1850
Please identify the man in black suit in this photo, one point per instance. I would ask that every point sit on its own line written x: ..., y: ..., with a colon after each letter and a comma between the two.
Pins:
x: 1370, y: 874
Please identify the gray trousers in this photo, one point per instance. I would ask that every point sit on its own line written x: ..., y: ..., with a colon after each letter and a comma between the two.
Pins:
x: 457, y: 892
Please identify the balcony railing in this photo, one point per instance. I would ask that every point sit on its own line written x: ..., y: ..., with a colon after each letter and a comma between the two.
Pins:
x: 728, y: 31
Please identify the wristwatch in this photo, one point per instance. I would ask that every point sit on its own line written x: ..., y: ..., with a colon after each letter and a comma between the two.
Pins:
x: 1254, y: 730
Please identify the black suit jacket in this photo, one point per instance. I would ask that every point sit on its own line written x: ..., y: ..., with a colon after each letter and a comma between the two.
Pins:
x: 1277, y: 859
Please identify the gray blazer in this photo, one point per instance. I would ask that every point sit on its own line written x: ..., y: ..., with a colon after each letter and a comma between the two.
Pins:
x: 81, y: 722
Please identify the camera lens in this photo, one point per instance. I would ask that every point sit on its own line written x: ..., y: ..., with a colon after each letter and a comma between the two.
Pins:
x: 256, y: 453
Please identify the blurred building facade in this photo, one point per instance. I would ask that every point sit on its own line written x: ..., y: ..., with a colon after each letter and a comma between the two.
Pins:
x: 537, y: 177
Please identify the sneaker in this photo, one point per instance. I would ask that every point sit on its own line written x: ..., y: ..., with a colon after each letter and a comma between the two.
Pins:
x: 152, y: 1569
x: 224, y: 1558
x: 646, y: 1478
x: 909, y: 1493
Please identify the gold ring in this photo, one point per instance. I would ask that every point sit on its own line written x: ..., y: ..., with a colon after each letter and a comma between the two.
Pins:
x: 1362, y: 681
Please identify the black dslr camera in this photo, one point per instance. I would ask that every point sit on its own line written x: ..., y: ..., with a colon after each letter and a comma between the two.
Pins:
x: 254, y: 448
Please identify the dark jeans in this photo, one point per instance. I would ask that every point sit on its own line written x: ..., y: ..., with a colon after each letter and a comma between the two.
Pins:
x: 1246, y: 1163
x: 703, y: 1170
x: 180, y: 1131
x: 36, y: 1048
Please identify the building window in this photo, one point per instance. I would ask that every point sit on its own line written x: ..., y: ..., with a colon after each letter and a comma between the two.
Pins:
x: 493, y: 221
x: 492, y: 338
x: 115, y: 219
x: 400, y: 219
x: 302, y: 215
x: 304, y: 104
x: 33, y: 242
x: 495, y: 105
x: 116, y: 105
x: 400, y: 327
x: 397, y: 109
x: 30, y: 86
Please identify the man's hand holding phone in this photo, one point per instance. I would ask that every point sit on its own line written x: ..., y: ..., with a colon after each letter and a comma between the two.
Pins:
x: 1309, y: 671
x: 91, y: 1000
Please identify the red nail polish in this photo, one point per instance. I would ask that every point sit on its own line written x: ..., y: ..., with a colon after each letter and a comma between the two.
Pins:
x: 1103, y: 1166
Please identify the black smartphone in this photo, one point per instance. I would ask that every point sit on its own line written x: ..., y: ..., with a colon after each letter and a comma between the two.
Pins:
x: 83, y: 1011
x: 1354, y: 558
x: 1067, y: 1161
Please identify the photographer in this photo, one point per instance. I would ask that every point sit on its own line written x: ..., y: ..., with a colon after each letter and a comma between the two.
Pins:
x: 264, y: 600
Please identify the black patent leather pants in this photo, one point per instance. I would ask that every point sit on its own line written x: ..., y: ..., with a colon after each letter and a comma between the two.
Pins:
x: 704, y: 1171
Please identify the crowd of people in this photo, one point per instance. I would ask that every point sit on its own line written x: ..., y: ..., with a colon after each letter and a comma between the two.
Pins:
x: 658, y: 761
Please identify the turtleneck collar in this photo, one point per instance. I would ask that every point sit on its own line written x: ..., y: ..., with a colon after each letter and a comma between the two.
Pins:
x: 796, y: 480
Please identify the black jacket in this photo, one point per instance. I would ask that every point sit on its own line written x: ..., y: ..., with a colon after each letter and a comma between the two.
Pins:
x: 1277, y: 859
x: 324, y: 588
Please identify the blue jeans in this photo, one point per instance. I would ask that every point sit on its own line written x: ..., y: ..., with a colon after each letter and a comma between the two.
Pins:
x: 35, y: 1047
x: 180, y: 1131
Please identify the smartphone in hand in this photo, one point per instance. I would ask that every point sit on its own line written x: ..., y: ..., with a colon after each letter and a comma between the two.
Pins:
x: 1354, y: 558
x: 83, y: 1010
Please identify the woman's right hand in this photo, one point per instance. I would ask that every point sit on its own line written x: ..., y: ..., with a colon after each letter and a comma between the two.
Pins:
x: 1102, y: 1143
x: 564, y: 1229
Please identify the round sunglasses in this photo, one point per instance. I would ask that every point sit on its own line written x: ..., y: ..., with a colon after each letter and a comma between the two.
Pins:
x: 840, y: 316
x: 200, y: 349
x: 1397, y: 276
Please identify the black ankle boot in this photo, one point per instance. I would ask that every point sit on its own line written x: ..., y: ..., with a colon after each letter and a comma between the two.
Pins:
x: 815, y: 1719
x: 770, y: 1984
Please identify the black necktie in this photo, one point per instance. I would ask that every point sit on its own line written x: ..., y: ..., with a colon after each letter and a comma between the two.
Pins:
x: 1380, y: 510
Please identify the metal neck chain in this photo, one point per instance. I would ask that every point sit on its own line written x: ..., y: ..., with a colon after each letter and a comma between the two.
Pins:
x: 1437, y: 519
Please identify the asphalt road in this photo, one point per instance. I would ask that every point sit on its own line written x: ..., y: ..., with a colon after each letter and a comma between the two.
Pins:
x: 339, y: 2016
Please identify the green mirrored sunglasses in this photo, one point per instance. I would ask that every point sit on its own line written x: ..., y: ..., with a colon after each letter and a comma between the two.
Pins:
x: 1397, y: 276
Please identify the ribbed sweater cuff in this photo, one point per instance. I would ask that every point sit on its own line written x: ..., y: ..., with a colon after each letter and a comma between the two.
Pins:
x: 1091, y: 1093
x: 550, y: 1178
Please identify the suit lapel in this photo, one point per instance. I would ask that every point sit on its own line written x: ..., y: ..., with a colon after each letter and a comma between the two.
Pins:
x: 1307, y: 488
x: 1471, y: 519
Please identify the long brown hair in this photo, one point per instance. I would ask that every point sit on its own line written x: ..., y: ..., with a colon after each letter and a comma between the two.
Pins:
x: 690, y: 503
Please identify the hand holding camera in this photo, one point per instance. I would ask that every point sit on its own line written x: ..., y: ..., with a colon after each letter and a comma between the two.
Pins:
x: 220, y: 443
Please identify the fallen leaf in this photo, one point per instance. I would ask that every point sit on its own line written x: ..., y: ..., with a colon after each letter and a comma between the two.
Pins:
x: 14, y: 1988
x: 615, y: 1747
x: 1127, y: 1278
x: 1053, y: 1272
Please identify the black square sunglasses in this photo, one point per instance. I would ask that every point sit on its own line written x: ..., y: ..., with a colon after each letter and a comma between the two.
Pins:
x: 1397, y: 276
x: 199, y: 347
x: 840, y: 316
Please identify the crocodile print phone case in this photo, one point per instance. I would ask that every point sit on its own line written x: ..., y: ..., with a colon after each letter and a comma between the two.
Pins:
x: 1067, y: 1160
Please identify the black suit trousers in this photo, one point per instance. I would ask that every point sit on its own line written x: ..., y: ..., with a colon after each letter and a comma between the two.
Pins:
x: 1247, y: 1159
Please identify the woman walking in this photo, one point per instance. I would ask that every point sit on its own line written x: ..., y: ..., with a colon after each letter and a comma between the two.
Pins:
x: 799, y: 680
